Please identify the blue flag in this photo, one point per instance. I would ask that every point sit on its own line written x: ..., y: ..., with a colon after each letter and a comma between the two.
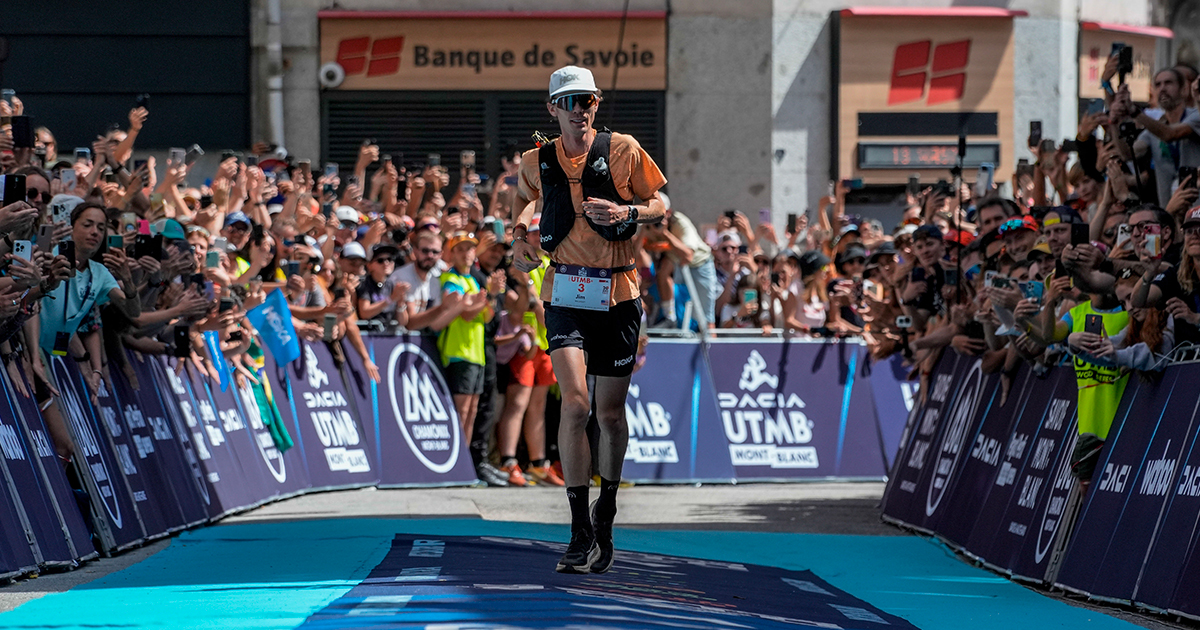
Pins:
x: 273, y: 321
x: 213, y: 342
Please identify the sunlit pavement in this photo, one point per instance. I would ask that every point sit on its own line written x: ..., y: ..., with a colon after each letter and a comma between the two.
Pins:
x: 747, y: 556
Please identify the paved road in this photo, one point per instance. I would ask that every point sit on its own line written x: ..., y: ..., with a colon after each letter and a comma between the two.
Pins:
x: 700, y: 516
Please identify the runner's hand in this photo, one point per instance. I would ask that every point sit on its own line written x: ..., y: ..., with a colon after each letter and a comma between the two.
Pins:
x: 605, y: 212
x: 526, y: 255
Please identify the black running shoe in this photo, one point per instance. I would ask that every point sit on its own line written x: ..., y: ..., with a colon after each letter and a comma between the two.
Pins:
x: 580, y: 553
x: 603, y: 555
x: 491, y: 475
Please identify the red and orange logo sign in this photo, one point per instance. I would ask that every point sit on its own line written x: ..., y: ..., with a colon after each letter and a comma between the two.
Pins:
x: 914, y: 78
x: 378, y: 58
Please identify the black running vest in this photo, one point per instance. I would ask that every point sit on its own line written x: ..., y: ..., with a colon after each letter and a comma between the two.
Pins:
x: 558, y: 211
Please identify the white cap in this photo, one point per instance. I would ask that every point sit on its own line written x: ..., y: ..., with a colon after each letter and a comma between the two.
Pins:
x: 571, y: 80
x: 347, y: 213
x: 354, y: 249
x: 274, y: 208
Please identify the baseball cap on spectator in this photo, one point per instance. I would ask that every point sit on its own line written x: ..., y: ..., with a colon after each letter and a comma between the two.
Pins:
x: 354, y: 249
x: 383, y: 250
x: 1041, y: 251
x: 962, y: 238
x: 1017, y: 224
x: 571, y: 80
x: 927, y: 231
x: 1191, y: 218
x: 811, y: 261
x: 346, y: 214
x: 61, y: 164
x: 170, y: 229
x: 731, y: 237
x: 274, y: 208
x: 458, y: 238
x: 852, y: 252
x: 905, y: 230
x: 428, y: 223
x: 237, y: 217
x: 885, y: 248
x: 848, y: 228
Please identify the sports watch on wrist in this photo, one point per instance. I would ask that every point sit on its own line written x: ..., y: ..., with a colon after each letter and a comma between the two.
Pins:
x: 633, y: 214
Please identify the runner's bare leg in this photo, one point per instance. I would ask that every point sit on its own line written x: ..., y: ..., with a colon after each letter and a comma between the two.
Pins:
x: 614, y: 431
x: 570, y: 367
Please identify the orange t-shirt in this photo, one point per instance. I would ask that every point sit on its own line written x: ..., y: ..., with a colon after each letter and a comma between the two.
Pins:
x: 636, y: 177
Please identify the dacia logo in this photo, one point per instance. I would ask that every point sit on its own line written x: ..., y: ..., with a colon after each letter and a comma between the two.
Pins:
x: 316, y: 376
x: 754, y: 373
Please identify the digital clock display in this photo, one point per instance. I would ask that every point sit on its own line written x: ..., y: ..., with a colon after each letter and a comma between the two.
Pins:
x: 920, y: 155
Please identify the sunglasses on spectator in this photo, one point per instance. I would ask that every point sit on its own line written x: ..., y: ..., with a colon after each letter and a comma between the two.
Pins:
x: 1191, y: 230
x: 568, y: 102
x: 1141, y: 227
x: 32, y: 194
x: 386, y: 260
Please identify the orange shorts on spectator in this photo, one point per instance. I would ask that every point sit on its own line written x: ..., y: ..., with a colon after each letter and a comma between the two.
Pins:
x: 533, y: 372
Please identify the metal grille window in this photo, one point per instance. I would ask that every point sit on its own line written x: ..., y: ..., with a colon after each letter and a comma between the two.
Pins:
x: 419, y: 123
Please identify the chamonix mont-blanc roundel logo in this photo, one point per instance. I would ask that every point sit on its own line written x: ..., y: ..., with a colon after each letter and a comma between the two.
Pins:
x: 420, y: 404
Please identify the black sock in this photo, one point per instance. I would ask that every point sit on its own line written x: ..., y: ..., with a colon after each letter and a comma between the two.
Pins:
x: 606, y: 505
x: 577, y: 496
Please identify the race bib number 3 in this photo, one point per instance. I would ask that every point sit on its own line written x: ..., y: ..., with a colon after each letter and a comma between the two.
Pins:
x: 582, y: 287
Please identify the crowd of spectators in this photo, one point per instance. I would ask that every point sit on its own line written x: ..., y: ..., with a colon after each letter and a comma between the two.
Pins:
x: 1091, y: 251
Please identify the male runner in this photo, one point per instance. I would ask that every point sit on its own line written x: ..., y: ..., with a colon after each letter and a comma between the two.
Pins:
x: 592, y: 189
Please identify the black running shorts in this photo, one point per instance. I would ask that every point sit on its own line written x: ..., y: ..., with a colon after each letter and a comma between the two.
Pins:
x: 610, y: 338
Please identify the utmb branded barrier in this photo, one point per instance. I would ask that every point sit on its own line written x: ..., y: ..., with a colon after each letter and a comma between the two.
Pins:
x: 994, y: 482
x: 167, y: 448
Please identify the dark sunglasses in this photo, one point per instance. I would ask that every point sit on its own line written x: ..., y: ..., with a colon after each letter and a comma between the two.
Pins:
x: 32, y: 194
x: 568, y: 102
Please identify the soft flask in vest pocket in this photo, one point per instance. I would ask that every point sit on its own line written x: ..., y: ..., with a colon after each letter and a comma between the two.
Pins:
x: 558, y: 211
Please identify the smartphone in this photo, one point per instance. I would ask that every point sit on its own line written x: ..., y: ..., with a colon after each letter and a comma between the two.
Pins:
x: 193, y: 154
x: 1048, y: 147
x: 22, y: 250
x: 22, y: 132
x: 45, y: 237
x: 83, y: 154
x: 918, y: 274
x: 750, y: 296
x: 1124, y: 63
x: 228, y: 153
x: 67, y: 175
x: 183, y: 342
x: 983, y: 179
x: 143, y: 100
x: 988, y: 276
x: 220, y: 244
x: 1080, y: 233
x: 1116, y: 48
x: 914, y: 185
x: 730, y: 214
x: 1094, y: 324
x: 251, y: 160
x: 435, y: 159
x: 1154, y: 240
x: 327, y: 210
x: 305, y: 167
x: 1184, y: 173
x: 1024, y: 168
x: 452, y: 210
x: 109, y: 176
x: 129, y: 222
x: 1035, y: 133
x: 743, y: 249
x: 256, y: 233
x: 66, y: 249
x: 1124, y: 233
x: 329, y: 322
x: 177, y: 155
x: 498, y: 228
x: 226, y: 305
x: 511, y: 180
x: 116, y: 241
x: 331, y: 169
x: 1060, y: 270
x: 467, y: 160
x: 951, y: 277
x: 852, y: 184
x: 210, y: 291
x: 1001, y: 282
x: 1070, y: 146
x: 293, y: 268
x: 792, y: 219
x: 904, y: 321
x: 1032, y: 290
x: 212, y: 259
x: 13, y: 187
x: 137, y: 164
x: 1095, y: 106
x: 776, y: 278
x: 8, y: 95
x: 339, y: 293
x: 764, y: 215
x: 469, y: 190
x: 143, y: 246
